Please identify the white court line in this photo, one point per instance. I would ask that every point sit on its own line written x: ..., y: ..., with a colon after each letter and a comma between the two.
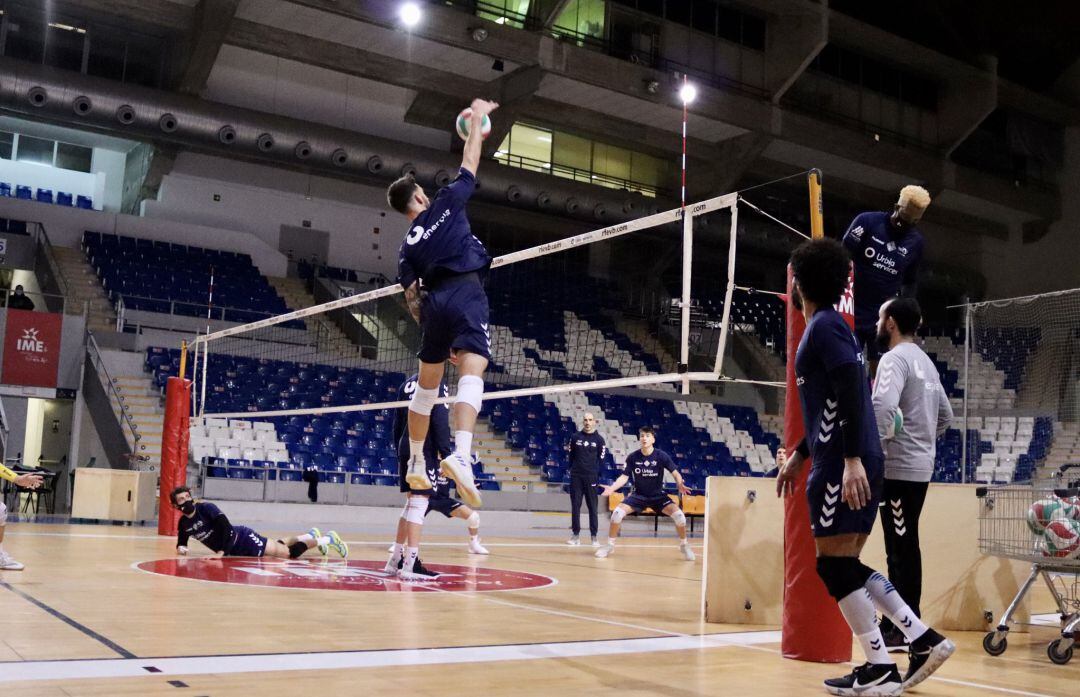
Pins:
x: 205, y: 665
x: 554, y: 545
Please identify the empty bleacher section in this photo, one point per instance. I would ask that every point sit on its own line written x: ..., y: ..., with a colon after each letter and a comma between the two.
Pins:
x: 41, y: 195
x: 730, y: 440
x: 155, y: 276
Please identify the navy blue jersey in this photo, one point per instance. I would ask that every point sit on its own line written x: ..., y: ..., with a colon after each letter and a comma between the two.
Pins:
x: 826, y: 345
x: 646, y: 472
x: 209, y: 526
x: 587, y: 452
x: 437, y: 444
x: 886, y: 258
x: 440, y: 242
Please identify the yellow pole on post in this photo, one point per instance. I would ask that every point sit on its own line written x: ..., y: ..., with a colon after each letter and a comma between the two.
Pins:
x: 183, y: 358
x: 817, y: 222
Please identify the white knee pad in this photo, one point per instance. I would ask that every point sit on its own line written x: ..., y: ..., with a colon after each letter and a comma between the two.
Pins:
x: 3, y: 514
x: 415, y: 508
x: 679, y: 517
x: 470, y: 390
x: 423, y: 400
x: 617, y: 515
x: 473, y: 520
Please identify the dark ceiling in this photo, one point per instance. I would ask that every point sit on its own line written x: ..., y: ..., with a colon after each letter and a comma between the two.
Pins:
x: 1035, y: 42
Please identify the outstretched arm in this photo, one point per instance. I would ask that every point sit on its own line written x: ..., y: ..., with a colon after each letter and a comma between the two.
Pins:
x: 615, y: 485
x: 470, y: 160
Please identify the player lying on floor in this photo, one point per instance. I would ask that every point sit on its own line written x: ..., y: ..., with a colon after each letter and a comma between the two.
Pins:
x: 206, y: 523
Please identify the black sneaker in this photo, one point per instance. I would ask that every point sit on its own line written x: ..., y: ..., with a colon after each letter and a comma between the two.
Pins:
x: 418, y: 572
x: 868, y: 680
x: 895, y: 641
x: 926, y: 655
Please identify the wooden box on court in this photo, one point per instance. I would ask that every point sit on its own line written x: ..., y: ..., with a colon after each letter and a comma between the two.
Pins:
x: 743, y: 574
x: 124, y: 495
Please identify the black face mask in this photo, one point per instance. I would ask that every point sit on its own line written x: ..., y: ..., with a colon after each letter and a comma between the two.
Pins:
x: 187, y: 507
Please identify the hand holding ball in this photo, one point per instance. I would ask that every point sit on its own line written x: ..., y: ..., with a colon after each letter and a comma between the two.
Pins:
x: 463, y: 123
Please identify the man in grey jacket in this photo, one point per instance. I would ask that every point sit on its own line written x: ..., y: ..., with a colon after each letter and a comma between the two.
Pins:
x: 912, y: 411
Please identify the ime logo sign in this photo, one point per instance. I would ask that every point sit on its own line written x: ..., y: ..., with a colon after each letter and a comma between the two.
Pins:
x: 30, y: 342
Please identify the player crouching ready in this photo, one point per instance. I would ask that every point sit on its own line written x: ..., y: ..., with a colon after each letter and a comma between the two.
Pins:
x: 645, y: 469
x: 206, y: 523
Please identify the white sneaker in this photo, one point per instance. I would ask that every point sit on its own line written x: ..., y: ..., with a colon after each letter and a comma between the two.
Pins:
x: 476, y: 548
x: 605, y: 551
x: 9, y: 564
x: 595, y: 542
x: 459, y: 469
x: 416, y: 477
x: 392, y: 566
x: 574, y: 541
x: 687, y: 553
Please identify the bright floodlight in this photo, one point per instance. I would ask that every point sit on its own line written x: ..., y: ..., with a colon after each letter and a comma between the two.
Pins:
x: 409, y: 14
x: 687, y: 93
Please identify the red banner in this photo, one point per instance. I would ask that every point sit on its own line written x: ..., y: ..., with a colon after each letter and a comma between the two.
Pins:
x: 31, y: 348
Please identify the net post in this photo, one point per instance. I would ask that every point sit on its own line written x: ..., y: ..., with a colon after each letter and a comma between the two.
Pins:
x: 174, y: 451
x: 202, y: 387
x: 687, y: 266
x: 729, y: 292
x: 967, y: 394
x: 817, y: 221
x: 183, y: 357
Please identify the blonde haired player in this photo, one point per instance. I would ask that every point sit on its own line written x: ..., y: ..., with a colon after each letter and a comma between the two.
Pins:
x: 886, y: 248
x: 27, y: 481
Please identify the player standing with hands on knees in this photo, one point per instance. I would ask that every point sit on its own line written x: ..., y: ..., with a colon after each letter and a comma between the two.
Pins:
x: 441, y: 266
x: 27, y: 481
x: 845, y: 480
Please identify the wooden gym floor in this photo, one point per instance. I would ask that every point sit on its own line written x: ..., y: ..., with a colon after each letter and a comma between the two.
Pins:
x: 82, y: 620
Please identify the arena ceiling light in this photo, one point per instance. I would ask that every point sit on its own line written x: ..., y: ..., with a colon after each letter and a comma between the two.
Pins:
x: 409, y: 14
x: 687, y: 93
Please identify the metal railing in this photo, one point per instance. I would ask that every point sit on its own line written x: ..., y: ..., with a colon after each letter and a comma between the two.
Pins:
x: 46, y: 247
x: 114, y: 391
x: 193, y: 312
x: 580, y: 175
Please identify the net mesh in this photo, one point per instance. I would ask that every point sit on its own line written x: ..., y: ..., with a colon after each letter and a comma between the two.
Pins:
x: 562, y: 313
x: 1021, y: 386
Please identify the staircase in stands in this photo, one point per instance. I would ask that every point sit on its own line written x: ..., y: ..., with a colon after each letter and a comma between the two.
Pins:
x: 85, y: 289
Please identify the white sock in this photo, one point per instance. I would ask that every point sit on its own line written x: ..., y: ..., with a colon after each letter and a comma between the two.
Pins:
x: 410, y: 558
x: 858, y: 610
x: 474, y: 538
x: 890, y: 604
x: 398, y: 552
x: 416, y: 451
x: 324, y: 540
x: 305, y: 538
x: 683, y: 542
x: 463, y: 444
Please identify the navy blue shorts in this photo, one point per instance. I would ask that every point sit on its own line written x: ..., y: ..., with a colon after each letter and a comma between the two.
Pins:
x: 455, y: 316
x: 444, y: 505
x: 829, y: 515
x: 640, y: 503
x: 248, y: 543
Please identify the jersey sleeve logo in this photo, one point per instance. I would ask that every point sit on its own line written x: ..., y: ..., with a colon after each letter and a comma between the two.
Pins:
x: 857, y: 232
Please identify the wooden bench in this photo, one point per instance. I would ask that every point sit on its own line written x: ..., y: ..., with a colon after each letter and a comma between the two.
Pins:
x: 692, y: 507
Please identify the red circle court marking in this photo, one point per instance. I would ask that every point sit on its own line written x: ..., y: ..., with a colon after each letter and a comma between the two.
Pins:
x: 358, y: 575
